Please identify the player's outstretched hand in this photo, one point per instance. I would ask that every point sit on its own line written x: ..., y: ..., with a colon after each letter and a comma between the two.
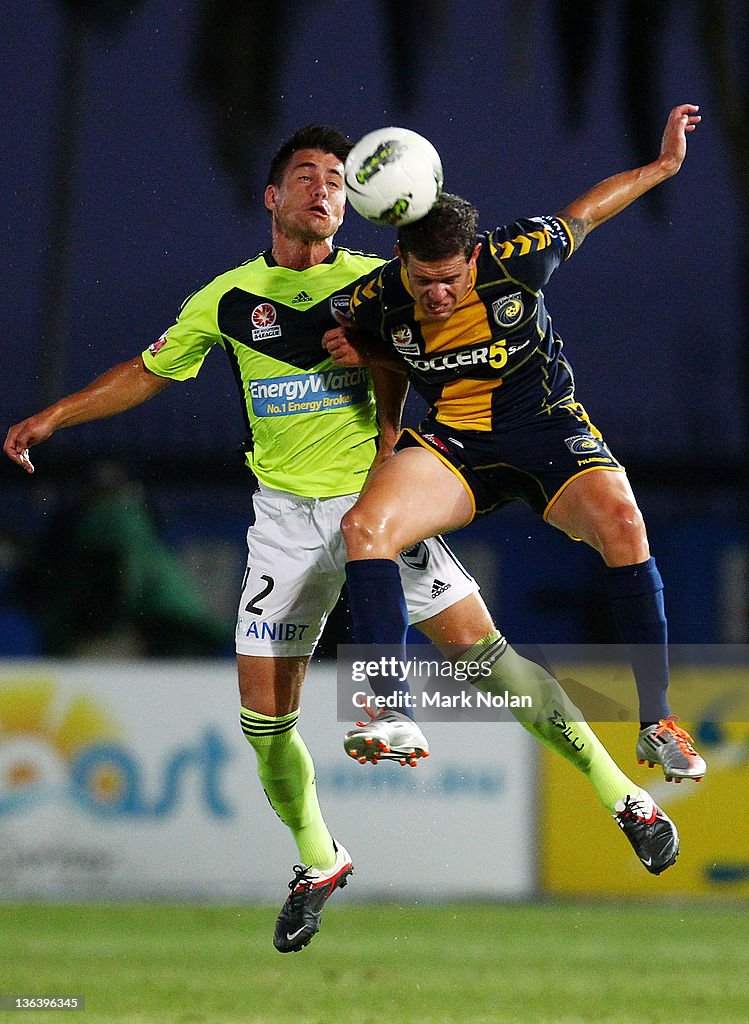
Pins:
x: 25, y: 435
x: 681, y: 120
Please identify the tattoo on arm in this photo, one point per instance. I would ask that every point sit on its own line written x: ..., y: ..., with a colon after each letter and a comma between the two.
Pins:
x: 578, y: 229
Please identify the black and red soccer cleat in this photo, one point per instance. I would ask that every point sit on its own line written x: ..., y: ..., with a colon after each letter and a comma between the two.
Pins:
x: 651, y: 832
x: 299, y: 920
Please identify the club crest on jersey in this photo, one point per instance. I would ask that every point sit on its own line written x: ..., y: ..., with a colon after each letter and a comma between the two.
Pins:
x: 508, y: 310
x: 339, y: 304
x: 582, y: 444
x: 264, y: 323
x: 402, y: 338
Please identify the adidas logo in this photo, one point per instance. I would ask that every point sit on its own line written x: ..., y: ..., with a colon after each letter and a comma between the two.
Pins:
x: 438, y: 587
x: 301, y: 297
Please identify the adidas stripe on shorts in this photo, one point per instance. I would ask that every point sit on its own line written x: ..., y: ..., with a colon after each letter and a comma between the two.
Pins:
x: 296, y: 567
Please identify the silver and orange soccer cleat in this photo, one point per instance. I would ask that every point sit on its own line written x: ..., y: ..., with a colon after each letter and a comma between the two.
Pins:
x: 389, y: 736
x: 670, y: 746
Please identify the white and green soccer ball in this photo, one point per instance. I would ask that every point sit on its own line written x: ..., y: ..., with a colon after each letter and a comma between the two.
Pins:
x: 393, y: 176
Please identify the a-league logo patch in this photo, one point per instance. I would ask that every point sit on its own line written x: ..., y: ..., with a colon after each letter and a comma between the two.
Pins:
x: 403, y: 340
x: 508, y: 310
x: 264, y: 315
x: 264, y: 318
x: 583, y: 444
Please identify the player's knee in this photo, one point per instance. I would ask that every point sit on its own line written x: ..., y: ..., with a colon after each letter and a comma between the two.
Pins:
x: 363, y: 536
x: 623, y: 534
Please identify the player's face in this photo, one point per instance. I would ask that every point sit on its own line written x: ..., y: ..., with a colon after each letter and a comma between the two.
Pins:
x: 439, y: 285
x: 308, y: 204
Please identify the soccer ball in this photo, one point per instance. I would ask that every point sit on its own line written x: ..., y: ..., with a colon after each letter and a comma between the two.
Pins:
x: 393, y: 176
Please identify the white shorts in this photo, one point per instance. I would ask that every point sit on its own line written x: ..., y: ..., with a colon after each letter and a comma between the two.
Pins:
x: 296, y: 568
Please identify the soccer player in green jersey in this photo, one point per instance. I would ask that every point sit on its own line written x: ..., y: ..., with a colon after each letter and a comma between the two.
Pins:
x: 314, y: 436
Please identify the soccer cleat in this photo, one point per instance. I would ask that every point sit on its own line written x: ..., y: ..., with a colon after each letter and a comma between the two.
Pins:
x: 651, y: 832
x: 665, y: 743
x: 390, y: 736
x: 299, y: 920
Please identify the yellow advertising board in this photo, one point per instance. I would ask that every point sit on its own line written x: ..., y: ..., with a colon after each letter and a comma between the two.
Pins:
x: 583, y: 852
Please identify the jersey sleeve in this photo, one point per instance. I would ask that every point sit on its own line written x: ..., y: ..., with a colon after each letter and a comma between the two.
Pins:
x: 181, y: 349
x: 530, y: 250
x: 366, y: 304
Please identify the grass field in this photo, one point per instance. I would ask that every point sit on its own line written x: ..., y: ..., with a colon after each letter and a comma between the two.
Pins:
x: 592, y: 963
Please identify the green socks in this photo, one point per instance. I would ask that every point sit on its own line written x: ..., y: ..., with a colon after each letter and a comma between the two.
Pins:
x: 287, y: 775
x: 553, y: 719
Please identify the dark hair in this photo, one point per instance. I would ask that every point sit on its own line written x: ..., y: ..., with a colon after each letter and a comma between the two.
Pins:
x: 448, y: 229
x: 312, y: 136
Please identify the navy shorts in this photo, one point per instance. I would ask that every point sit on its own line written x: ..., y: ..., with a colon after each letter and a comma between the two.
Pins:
x: 531, y: 461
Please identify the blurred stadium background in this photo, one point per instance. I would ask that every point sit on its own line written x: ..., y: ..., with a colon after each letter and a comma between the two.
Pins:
x: 136, y: 137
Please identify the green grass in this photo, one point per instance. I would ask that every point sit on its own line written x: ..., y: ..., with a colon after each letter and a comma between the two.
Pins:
x: 613, y: 963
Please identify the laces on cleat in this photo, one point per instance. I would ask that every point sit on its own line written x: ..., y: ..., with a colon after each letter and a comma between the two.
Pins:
x: 651, y: 833
x: 636, y: 808
x: 681, y: 736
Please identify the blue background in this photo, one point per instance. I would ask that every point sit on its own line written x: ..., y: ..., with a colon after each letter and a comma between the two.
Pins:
x: 651, y: 308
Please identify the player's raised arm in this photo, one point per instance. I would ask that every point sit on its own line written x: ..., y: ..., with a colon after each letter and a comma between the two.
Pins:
x: 613, y: 195
x: 123, y: 387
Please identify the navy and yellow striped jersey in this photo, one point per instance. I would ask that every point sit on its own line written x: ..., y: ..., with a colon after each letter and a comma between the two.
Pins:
x: 496, y: 359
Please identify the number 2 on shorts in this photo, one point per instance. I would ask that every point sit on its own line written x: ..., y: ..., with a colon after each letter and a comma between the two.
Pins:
x: 253, y: 605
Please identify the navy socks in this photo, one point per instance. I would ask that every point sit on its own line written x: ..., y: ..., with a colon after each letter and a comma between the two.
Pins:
x: 380, y: 616
x: 636, y: 596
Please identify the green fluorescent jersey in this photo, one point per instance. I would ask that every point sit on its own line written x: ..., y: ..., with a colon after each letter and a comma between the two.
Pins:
x: 312, y: 427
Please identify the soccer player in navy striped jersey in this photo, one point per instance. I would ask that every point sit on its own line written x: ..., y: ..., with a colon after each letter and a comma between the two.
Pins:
x: 463, y: 314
